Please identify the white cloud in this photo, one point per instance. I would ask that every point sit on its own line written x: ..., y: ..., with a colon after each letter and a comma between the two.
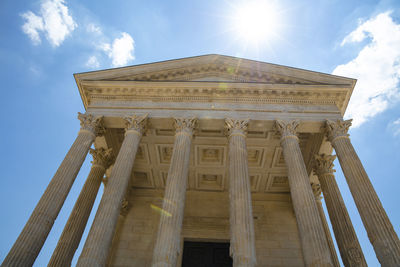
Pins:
x: 121, y: 50
x: 94, y: 29
x: 92, y: 62
x: 395, y: 127
x: 53, y: 21
x: 32, y: 26
x: 377, y: 68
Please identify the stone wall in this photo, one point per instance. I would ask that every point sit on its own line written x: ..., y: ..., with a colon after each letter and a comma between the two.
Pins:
x: 207, y: 219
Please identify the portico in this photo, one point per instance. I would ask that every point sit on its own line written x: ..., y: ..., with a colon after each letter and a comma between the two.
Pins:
x: 214, y: 149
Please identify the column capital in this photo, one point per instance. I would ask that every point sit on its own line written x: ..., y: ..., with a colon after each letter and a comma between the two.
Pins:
x: 185, y: 125
x: 287, y: 129
x: 323, y: 164
x: 125, y: 206
x: 102, y: 157
x: 136, y: 123
x: 316, y: 188
x: 91, y: 123
x: 236, y: 127
x: 337, y: 129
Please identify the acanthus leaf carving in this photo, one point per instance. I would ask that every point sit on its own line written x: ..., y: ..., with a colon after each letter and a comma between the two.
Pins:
x: 323, y: 164
x: 136, y: 123
x: 236, y: 126
x: 337, y: 129
x: 91, y: 123
x: 316, y: 188
x: 185, y: 125
x: 102, y: 156
x: 287, y: 128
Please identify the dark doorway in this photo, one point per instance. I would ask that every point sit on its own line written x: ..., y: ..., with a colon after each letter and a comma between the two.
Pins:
x: 206, y: 254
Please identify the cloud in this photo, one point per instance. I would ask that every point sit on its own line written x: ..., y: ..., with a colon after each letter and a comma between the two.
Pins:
x: 394, y: 127
x: 377, y: 67
x: 121, y: 50
x: 94, y: 29
x: 92, y: 62
x: 53, y: 21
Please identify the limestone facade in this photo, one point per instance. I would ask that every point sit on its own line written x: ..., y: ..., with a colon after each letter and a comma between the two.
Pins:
x: 211, y: 149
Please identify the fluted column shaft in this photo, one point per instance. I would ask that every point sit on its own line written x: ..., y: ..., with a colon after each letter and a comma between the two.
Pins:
x: 317, y: 193
x: 312, y: 235
x: 346, y: 238
x: 167, y: 246
x: 376, y: 222
x: 242, y: 247
x: 328, y: 235
x: 73, y: 230
x: 97, y: 245
x: 29, y: 243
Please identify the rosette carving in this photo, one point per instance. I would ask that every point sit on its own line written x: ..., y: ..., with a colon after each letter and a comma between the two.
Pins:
x: 136, y: 123
x: 102, y: 156
x: 91, y: 123
x: 236, y: 127
x: 337, y: 129
x: 323, y: 164
x: 185, y: 125
x: 287, y: 128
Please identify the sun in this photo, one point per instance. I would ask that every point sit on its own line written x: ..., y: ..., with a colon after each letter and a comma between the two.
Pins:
x: 256, y: 21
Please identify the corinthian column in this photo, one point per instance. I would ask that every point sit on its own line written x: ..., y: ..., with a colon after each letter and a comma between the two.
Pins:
x: 312, y: 235
x: 379, y: 228
x: 167, y: 246
x: 95, y: 250
x: 317, y: 194
x: 73, y: 230
x: 346, y: 238
x: 242, y: 247
x: 30, y: 241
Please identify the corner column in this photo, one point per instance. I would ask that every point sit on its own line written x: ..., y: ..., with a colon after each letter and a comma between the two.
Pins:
x: 29, y: 243
x: 98, y: 242
x: 346, y: 238
x: 73, y: 230
x: 379, y: 228
x: 317, y: 194
x: 242, y: 247
x: 312, y: 235
x: 167, y: 246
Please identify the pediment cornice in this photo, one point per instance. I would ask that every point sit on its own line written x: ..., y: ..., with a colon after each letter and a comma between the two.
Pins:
x: 215, y: 78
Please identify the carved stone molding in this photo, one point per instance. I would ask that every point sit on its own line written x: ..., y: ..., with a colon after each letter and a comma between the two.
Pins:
x: 92, y: 124
x: 103, y: 157
x: 136, y: 123
x: 185, y: 125
x: 337, y: 129
x: 287, y: 129
x: 236, y: 127
x: 323, y: 164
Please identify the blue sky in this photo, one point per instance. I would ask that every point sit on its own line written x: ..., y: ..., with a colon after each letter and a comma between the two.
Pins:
x: 44, y: 42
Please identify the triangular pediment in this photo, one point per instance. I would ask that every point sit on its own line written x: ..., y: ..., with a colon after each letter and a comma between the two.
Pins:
x: 214, y: 68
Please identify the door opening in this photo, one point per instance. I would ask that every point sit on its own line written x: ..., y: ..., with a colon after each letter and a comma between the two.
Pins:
x: 206, y: 254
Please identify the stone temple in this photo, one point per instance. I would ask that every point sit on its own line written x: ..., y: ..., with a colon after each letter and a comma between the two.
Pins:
x: 211, y: 161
